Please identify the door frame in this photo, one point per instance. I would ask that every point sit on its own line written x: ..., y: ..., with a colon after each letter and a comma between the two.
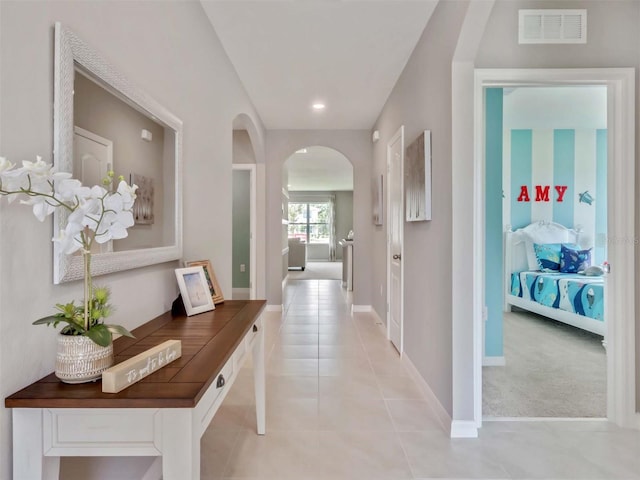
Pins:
x: 251, y: 168
x: 620, y: 83
x: 399, y: 135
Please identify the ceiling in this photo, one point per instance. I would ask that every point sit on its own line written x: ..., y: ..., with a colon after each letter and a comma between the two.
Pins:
x: 347, y: 54
x: 318, y: 169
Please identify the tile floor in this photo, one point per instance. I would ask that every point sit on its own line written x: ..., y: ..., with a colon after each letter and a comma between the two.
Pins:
x: 340, y: 405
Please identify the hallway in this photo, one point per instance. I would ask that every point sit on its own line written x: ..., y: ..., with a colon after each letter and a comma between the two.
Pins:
x: 340, y: 405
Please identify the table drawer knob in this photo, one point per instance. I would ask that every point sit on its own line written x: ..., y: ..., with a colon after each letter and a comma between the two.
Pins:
x: 220, y: 383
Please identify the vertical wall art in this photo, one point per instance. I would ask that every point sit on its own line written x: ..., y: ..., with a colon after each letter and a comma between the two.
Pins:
x: 417, y: 179
x: 377, y: 196
x: 143, y: 206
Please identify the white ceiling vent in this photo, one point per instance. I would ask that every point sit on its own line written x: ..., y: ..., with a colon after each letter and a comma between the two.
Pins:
x: 552, y: 26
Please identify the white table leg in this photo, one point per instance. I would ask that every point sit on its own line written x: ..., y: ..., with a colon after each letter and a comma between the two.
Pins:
x: 28, y: 452
x: 180, y: 445
x: 259, y: 380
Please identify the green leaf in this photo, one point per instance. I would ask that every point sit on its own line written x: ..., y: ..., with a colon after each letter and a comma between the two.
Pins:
x: 48, y: 320
x: 119, y: 329
x: 100, y: 334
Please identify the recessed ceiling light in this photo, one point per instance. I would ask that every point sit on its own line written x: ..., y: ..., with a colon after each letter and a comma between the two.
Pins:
x: 302, y: 150
x: 319, y: 106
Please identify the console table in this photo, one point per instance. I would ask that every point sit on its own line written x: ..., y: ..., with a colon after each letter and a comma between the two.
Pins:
x: 165, y: 414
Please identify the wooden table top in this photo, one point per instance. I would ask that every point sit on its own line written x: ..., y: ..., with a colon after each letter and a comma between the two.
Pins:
x: 208, y: 341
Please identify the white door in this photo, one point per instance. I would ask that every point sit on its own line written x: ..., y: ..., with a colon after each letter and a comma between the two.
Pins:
x: 95, y: 154
x: 94, y: 159
x: 395, y: 159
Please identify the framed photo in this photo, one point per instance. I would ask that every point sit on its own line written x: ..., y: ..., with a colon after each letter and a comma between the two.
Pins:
x: 417, y: 179
x: 194, y: 289
x: 212, y: 281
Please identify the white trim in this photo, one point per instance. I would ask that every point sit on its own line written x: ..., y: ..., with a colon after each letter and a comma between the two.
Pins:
x: 441, y: 413
x: 399, y: 135
x: 619, y: 304
x: 253, y: 229
x: 361, y: 308
x: 464, y: 429
x: 493, y: 361
x: 273, y: 308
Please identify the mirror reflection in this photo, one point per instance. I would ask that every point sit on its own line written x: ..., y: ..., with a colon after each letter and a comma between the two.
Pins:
x: 102, y: 122
x: 109, y: 134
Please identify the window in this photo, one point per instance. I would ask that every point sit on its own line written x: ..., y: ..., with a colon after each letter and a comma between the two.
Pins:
x: 310, y: 221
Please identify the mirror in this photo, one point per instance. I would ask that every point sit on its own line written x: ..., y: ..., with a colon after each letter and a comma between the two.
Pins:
x: 101, y: 123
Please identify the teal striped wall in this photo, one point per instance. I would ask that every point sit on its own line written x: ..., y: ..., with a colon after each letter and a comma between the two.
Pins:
x: 493, y: 227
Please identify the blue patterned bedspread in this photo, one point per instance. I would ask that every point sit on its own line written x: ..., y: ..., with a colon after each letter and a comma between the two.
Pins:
x: 566, y: 291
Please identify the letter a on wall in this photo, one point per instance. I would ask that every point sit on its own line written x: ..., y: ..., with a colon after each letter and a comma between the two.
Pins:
x: 524, y: 194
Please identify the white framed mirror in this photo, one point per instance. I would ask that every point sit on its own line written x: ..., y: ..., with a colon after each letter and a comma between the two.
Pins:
x: 103, y: 122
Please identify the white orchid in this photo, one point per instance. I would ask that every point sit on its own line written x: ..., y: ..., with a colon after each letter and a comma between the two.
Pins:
x: 95, y: 214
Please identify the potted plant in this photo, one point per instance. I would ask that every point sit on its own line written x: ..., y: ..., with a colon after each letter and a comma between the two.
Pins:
x: 95, y: 215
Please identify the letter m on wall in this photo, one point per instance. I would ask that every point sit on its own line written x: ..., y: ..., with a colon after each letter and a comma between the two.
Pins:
x: 542, y: 193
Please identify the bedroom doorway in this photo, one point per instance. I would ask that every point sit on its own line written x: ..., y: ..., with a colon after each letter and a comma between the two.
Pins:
x: 546, y: 175
x: 619, y: 297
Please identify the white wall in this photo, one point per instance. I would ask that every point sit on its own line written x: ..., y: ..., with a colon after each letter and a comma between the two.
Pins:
x: 356, y: 146
x: 421, y: 100
x: 169, y: 50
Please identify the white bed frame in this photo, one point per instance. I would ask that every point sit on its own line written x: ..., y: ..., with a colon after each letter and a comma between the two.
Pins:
x: 515, y: 255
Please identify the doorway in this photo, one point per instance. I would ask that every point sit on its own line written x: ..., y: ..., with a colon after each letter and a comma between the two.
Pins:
x: 317, y: 206
x: 545, y: 181
x: 619, y: 302
x: 395, y: 225
x: 244, y: 217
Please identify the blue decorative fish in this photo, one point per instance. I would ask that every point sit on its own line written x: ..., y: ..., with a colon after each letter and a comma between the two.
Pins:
x: 585, y: 197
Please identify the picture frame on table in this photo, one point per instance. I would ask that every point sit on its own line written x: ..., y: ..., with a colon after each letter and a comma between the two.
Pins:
x: 212, y: 281
x: 194, y: 290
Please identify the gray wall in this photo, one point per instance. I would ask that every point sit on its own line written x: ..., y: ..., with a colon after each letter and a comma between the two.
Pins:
x: 241, y: 228
x: 356, y: 146
x: 421, y: 100
x: 158, y: 46
x: 104, y: 114
x: 613, y: 41
x: 242, y: 148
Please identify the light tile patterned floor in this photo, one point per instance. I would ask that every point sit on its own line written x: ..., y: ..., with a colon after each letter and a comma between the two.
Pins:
x: 341, y: 406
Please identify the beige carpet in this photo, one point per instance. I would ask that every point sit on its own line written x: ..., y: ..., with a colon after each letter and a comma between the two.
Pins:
x: 552, y: 370
x: 318, y: 271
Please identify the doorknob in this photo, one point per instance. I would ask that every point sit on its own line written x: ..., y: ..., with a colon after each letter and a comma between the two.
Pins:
x: 397, y: 256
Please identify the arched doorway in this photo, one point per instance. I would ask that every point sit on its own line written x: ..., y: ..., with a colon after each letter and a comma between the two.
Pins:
x: 317, y: 214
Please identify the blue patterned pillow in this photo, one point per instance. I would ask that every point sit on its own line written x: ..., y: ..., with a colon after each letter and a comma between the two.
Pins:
x: 548, y: 256
x: 574, y: 260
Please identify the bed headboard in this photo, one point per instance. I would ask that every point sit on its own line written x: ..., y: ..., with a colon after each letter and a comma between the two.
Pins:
x: 518, y: 245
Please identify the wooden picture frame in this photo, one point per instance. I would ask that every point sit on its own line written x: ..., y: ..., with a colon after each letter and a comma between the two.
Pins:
x: 194, y: 289
x: 212, y: 281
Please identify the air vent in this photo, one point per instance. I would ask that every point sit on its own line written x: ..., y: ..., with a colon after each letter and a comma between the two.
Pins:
x: 552, y: 26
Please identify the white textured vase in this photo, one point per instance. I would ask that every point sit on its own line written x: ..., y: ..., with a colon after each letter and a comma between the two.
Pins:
x: 80, y: 359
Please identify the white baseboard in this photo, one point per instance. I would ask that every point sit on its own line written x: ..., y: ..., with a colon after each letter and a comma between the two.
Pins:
x: 441, y: 413
x: 494, y: 361
x: 361, y: 308
x: 273, y: 308
x: 241, y: 293
x: 464, y: 429
x: 155, y: 470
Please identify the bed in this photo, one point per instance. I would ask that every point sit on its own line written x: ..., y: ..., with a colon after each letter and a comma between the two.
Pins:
x: 571, y: 298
